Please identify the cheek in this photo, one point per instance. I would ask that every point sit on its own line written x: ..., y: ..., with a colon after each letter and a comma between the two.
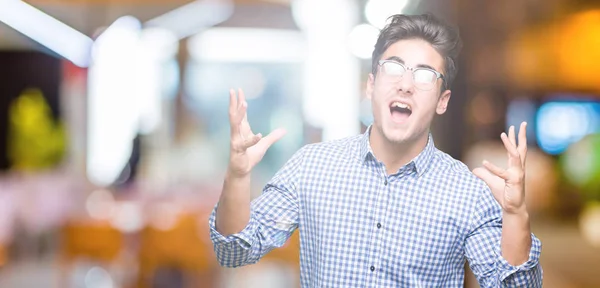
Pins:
x: 380, y: 95
x: 376, y: 99
x: 430, y: 111
x: 380, y: 88
x: 428, y: 107
x: 376, y: 107
x: 379, y: 109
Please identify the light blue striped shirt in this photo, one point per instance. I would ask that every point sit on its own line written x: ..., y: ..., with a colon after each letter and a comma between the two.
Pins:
x: 360, y: 227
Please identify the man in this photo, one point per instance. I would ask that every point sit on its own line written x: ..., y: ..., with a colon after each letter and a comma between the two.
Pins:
x: 386, y: 208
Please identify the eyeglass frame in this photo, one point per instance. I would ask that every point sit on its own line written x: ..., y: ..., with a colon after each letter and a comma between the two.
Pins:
x: 411, y: 69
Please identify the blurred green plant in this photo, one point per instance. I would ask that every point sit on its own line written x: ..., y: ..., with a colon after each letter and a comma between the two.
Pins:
x: 581, y: 166
x: 35, y: 140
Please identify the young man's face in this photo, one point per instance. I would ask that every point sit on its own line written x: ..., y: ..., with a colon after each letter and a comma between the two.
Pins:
x: 402, y: 108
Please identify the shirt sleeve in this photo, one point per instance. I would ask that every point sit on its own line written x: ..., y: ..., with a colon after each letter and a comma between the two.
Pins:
x: 483, y: 250
x: 273, y: 219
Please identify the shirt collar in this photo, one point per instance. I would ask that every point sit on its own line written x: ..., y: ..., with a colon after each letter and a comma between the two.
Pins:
x: 421, y: 162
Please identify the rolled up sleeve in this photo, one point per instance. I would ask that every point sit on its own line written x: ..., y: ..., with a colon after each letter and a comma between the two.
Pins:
x: 233, y: 250
x: 528, y: 274
x: 483, y: 250
x: 273, y: 219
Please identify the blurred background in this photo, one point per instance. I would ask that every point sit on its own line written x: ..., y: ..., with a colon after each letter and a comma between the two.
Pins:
x: 114, y: 133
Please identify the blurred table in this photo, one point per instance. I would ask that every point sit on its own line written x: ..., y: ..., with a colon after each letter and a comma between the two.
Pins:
x: 568, y: 260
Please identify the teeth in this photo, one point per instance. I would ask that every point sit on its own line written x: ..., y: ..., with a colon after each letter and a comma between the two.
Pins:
x: 401, y: 105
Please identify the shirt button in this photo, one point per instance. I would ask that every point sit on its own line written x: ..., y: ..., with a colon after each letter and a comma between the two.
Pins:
x: 385, y: 183
x: 372, y: 268
x: 378, y: 225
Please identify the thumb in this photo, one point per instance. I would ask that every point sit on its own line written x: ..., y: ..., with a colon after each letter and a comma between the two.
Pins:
x: 494, y: 182
x: 485, y: 175
x: 270, y: 139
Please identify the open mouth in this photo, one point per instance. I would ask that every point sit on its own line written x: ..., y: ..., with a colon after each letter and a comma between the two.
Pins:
x: 400, y: 111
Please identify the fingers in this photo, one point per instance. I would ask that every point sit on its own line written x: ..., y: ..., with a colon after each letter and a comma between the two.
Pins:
x: 245, y: 128
x: 511, y: 135
x: 502, y: 173
x: 237, y: 120
x: 233, y: 103
x: 241, y: 94
x: 522, y: 148
x: 233, y: 111
x: 510, y: 147
x: 237, y: 112
x: 516, y: 151
x: 514, y: 159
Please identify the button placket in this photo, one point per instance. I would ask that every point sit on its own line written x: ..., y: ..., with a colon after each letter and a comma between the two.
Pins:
x: 377, y: 233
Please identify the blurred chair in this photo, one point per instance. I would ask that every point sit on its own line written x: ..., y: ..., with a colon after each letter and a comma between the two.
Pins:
x: 95, y: 241
x: 179, y: 249
x: 3, y: 255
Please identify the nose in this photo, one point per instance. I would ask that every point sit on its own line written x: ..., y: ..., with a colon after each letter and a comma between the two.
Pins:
x: 406, y: 83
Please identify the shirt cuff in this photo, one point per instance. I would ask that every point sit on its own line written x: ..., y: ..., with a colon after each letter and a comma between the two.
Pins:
x: 506, y: 269
x: 244, y: 238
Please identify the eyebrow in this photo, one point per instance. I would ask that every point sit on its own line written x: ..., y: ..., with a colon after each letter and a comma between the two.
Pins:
x: 398, y: 59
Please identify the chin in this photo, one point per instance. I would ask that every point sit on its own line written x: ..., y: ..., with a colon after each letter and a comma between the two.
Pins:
x: 397, y: 139
x: 397, y: 135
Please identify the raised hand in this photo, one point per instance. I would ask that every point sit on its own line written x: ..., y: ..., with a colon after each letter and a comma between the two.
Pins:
x: 247, y: 148
x: 508, y: 185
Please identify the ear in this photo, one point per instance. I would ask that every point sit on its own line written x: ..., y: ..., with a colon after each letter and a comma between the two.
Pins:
x: 370, y: 86
x: 443, y: 102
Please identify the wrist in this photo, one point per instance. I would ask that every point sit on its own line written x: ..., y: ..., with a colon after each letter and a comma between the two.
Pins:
x: 520, y: 214
x: 235, y: 174
x: 515, y: 210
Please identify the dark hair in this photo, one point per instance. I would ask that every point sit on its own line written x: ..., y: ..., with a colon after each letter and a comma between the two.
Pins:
x: 444, y: 39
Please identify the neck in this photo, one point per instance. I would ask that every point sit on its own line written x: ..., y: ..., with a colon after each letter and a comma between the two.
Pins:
x: 394, y: 155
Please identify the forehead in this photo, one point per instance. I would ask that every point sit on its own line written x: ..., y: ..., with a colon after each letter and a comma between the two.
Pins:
x: 415, y: 52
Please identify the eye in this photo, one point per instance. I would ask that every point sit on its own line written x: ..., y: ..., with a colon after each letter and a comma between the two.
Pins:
x: 393, y: 69
x: 424, y: 76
